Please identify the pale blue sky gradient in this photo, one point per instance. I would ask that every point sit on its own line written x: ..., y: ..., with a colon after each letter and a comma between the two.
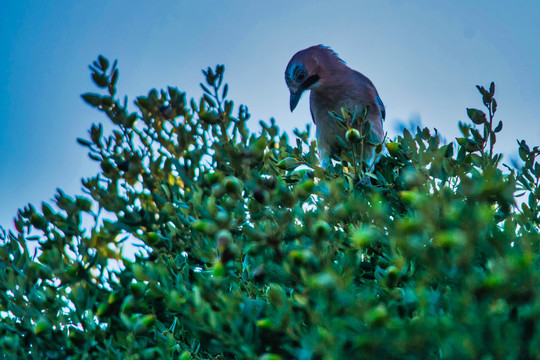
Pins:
x: 425, y: 58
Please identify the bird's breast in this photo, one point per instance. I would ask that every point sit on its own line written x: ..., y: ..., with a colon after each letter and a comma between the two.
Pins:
x: 327, y: 128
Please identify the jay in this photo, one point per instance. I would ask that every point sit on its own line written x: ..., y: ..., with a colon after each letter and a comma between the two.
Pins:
x: 334, y: 85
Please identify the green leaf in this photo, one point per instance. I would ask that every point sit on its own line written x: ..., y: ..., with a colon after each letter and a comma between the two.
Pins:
x: 209, y: 101
x: 92, y: 99
x: 482, y: 90
x: 288, y: 163
x: 100, y: 80
x: 477, y: 116
x: 84, y: 142
x: 94, y: 157
x: 225, y: 91
x: 103, y: 62
x: 449, y: 152
x: 114, y: 77
x: 477, y: 137
x: 461, y: 154
x: 499, y: 127
x: 523, y: 154
x: 206, y: 90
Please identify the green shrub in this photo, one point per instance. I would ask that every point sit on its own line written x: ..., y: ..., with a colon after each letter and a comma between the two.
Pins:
x: 250, y: 250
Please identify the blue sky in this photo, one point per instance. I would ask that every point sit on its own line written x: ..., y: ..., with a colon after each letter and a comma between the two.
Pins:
x: 425, y: 58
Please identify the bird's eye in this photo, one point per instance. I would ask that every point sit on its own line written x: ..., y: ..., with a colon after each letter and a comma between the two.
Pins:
x: 300, y: 76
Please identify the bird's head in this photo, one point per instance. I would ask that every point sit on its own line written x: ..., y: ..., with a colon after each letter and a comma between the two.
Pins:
x: 306, y: 70
x: 300, y: 75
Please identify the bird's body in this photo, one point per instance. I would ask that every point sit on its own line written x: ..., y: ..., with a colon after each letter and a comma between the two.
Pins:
x: 333, y: 85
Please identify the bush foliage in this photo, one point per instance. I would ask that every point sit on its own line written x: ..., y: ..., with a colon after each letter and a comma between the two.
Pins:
x: 250, y: 250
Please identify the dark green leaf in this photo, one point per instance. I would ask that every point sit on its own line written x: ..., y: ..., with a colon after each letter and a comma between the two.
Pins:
x: 225, y: 91
x: 523, y: 154
x: 92, y: 99
x: 100, y: 80
x: 94, y: 157
x: 114, y: 77
x: 209, y: 101
x: 477, y: 116
x: 103, y: 62
x: 206, y: 90
x: 84, y: 142
x: 449, y: 150
x: 499, y: 127
x: 482, y: 90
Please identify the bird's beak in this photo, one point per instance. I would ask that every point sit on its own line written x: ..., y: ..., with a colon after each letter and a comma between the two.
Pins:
x: 295, y: 98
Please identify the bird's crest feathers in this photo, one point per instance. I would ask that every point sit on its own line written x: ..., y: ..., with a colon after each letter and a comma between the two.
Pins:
x: 328, y: 50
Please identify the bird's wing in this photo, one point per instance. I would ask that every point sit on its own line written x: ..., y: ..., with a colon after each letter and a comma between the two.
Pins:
x: 311, y: 105
x: 382, y: 108
x: 312, y: 116
x: 367, y: 92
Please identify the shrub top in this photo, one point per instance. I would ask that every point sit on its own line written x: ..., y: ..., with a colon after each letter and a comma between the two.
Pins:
x: 251, y: 250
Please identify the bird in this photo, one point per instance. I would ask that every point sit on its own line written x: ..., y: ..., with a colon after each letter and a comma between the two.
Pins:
x: 333, y: 85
